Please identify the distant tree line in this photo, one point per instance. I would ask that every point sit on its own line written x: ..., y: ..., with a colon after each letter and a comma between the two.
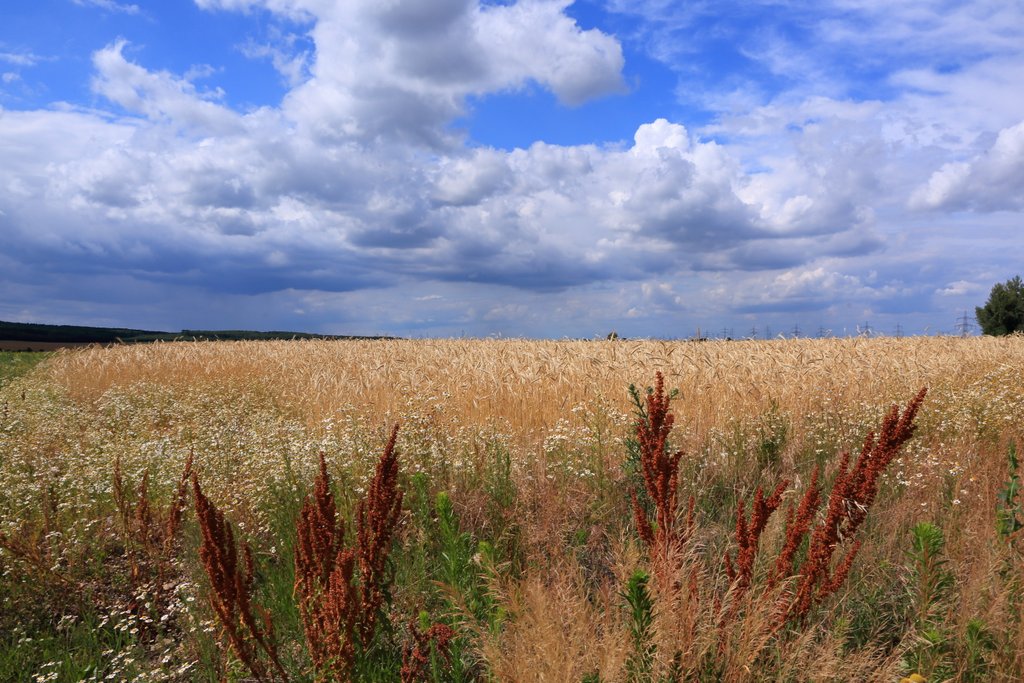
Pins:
x: 76, y: 334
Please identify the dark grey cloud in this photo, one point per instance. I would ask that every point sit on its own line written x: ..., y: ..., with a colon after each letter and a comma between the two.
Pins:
x: 415, y: 19
x: 408, y: 231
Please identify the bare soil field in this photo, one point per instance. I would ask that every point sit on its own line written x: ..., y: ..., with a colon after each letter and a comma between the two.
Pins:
x: 9, y: 345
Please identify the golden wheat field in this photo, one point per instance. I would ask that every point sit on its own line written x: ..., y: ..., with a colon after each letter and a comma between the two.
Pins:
x: 516, y: 551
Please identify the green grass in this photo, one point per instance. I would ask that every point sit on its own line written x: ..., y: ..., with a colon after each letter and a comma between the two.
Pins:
x: 14, y: 364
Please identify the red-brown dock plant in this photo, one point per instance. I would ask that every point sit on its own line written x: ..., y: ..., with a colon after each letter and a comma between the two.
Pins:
x: 323, y: 578
x: 665, y: 537
x: 377, y: 517
x: 231, y: 588
x: 341, y: 608
x: 853, y: 493
x: 416, y: 657
x: 151, y: 534
x: 817, y: 576
x: 172, y: 525
x: 155, y: 531
x: 748, y: 538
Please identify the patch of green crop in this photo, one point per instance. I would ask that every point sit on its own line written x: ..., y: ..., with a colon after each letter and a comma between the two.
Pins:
x: 14, y: 364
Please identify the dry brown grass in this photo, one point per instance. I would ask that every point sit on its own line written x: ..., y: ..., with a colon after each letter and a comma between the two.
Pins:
x: 258, y: 413
x: 559, y: 632
x: 531, y: 384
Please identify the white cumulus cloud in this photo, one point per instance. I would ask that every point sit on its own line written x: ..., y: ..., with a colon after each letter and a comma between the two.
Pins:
x: 991, y: 181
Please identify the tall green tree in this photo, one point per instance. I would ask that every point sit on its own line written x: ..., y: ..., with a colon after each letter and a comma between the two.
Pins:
x: 1003, y: 313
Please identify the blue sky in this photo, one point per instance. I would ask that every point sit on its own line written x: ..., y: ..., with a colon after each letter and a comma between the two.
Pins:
x: 536, y: 168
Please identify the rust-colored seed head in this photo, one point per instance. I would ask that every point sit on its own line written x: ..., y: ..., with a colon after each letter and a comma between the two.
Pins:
x: 660, y: 470
x: 797, y: 525
x: 748, y: 537
x: 377, y: 517
x: 231, y: 590
x: 177, y: 510
x: 340, y: 606
x: 852, y: 494
x: 416, y: 658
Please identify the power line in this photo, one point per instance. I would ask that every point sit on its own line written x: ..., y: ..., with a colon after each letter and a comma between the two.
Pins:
x: 964, y: 325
